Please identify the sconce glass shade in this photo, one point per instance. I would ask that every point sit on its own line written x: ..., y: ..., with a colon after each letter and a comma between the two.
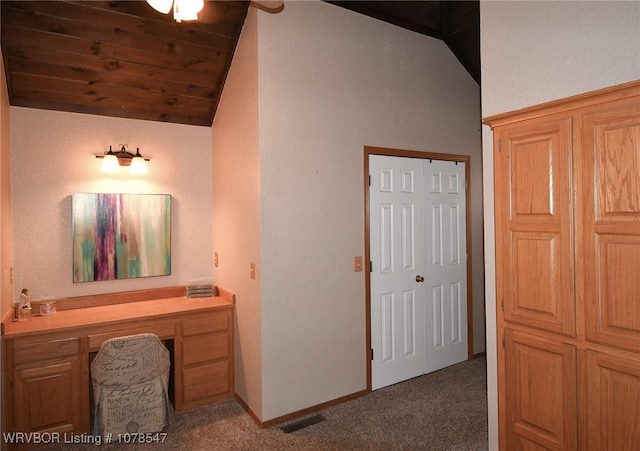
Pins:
x: 110, y: 162
x: 138, y: 165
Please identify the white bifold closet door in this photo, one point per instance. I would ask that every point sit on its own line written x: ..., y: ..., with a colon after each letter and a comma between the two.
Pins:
x: 419, y: 270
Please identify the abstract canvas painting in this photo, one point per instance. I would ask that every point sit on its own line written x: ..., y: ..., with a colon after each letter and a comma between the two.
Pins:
x: 120, y: 236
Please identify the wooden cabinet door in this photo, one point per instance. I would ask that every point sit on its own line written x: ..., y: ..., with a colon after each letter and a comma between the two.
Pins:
x: 612, y: 402
x: 533, y: 223
x: 609, y: 225
x: 46, y: 398
x: 540, y: 386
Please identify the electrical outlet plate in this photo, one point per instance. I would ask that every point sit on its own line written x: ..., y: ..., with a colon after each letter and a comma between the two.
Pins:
x: 357, y: 264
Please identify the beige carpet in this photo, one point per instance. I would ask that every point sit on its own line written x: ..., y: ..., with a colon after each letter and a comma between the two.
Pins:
x: 444, y: 410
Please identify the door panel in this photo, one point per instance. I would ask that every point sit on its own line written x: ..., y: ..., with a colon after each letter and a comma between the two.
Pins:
x: 540, y: 381
x: 535, y: 223
x: 55, y: 386
x: 611, y: 218
x: 446, y: 270
x: 396, y: 241
x: 613, y: 402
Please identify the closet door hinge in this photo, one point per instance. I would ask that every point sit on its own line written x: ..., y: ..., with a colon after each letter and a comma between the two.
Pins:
x: 500, y: 145
x: 11, y: 380
x: 369, y: 180
x: 503, y: 341
x: 371, y: 353
x: 502, y: 304
x: 370, y: 266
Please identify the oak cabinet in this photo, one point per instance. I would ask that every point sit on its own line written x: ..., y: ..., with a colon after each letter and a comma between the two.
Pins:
x: 612, y: 401
x: 533, y: 214
x: 567, y: 206
x: 47, y: 388
x: 609, y: 196
x: 540, y: 381
x: 46, y: 359
x: 207, y: 362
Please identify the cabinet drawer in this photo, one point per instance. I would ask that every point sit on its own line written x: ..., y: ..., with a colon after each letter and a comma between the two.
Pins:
x: 206, y: 381
x: 206, y: 324
x: 206, y: 348
x: 45, y: 350
x: 163, y: 331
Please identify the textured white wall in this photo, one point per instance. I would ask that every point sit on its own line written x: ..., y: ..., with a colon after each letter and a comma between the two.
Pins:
x: 236, y: 208
x: 331, y: 82
x: 6, y: 244
x: 533, y: 52
x: 52, y: 156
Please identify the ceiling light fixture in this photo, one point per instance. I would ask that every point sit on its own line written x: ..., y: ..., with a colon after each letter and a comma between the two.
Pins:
x: 113, y: 160
x: 182, y: 9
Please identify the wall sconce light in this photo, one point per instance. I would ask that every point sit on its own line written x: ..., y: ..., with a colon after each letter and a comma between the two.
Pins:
x: 113, y: 160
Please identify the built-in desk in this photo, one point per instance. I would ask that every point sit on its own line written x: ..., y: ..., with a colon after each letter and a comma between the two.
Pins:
x: 46, y: 359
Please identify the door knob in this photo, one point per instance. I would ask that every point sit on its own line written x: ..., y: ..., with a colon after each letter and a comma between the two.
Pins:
x: 419, y: 278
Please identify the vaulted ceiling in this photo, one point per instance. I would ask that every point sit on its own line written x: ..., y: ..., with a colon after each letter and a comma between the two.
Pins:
x: 124, y: 59
x: 457, y: 23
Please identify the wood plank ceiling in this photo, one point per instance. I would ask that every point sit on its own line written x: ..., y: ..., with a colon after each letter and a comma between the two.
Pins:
x: 124, y: 59
x: 119, y: 58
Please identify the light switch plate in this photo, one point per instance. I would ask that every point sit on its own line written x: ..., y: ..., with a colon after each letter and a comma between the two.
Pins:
x: 252, y: 270
x: 357, y: 264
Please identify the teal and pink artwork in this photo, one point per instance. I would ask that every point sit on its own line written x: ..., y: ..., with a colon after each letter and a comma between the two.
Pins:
x: 121, y: 236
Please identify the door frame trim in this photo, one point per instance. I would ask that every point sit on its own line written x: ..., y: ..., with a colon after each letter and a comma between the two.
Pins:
x: 466, y: 159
